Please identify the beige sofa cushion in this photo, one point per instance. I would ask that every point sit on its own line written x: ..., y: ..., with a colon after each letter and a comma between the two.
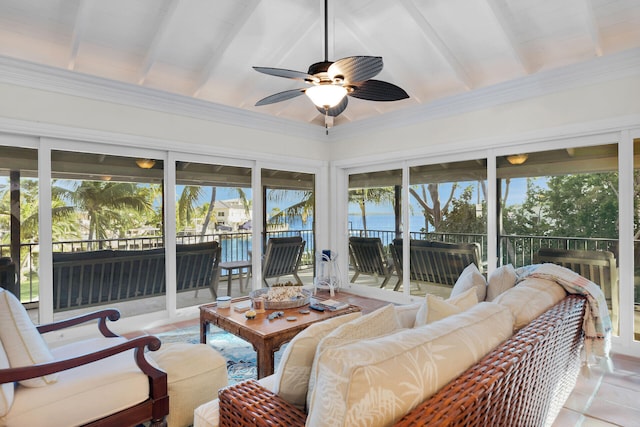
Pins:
x: 195, y: 373
x: 500, y: 280
x: 379, y: 322
x: 435, y: 308
x: 292, y: 375
x: 406, y: 314
x: 530, y: 298
x: 81, y: 394
x: 21, y: 340
x: 471, y: 278
x: 6, y: 390
x: 377, y: 381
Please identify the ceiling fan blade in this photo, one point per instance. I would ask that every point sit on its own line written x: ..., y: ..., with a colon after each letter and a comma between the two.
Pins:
x: 336, y: 110
x: 280, y: 96
x: 289, y: 74
x: 377, y: 90
x: 356, y: 68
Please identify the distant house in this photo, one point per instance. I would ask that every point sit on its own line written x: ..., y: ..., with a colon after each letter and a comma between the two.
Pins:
x: 230, y: 213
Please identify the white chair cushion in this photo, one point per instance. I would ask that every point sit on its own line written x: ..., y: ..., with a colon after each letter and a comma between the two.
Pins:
x: 471, y: 278
x: 435, y: 308
x: 6, y: 390
x: 292, y: 375
x: 21, y: 340
x: 500, y: 280
x: 379, y: 322
x: 530, y: 298
x: 377, y: 381
x: 82, y: 394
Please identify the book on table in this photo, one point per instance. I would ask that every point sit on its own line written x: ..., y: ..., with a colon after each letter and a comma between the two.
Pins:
x: 242, y: 306
x: 332, y: 304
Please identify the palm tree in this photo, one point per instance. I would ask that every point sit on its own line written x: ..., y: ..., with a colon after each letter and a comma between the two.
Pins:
x: 376, y: 196
x: 104, y: 203
x: 187, y: 204
x: 302, y: 209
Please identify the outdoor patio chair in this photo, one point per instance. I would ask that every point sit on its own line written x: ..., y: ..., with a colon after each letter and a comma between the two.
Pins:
x: 282, y: 258
x: 368, y: 257
x: 8, y: 278
x: 597, y: 266
x: 434, y: 261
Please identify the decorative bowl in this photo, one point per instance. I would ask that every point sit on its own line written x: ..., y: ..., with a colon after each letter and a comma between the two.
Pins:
x: 281, y: 305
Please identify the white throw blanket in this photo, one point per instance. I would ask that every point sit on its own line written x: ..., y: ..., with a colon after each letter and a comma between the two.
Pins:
x: 597, y: 323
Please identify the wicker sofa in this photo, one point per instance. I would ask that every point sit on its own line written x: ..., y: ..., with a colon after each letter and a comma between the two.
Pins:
x: 524, y: 379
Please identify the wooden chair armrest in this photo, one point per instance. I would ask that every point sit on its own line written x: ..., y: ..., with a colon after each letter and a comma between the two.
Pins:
x: 249, y: 404
x: 101, y: 315
x: 139, y: 344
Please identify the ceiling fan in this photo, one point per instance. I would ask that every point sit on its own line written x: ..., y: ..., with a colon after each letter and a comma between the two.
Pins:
x: 331, y: 82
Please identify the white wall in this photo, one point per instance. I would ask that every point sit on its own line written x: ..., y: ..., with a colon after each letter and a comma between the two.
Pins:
x: 169, y: 131
x: 508, y: 123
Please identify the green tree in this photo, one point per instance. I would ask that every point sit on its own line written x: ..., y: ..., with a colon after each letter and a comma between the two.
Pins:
x: 302, y: 209
x: 105, y: 202
x: 432, y: 214
x: 583, y: 205
x: 186, y: 206
x: 531, y: 218
x: 463, y: 216
x: 375, y: 196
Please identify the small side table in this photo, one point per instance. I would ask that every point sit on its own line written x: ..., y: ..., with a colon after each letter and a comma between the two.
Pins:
x: 236, y: 265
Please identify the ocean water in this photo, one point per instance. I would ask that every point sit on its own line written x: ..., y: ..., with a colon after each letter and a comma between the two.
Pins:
x: 384, y: 222
x: 235, y: 249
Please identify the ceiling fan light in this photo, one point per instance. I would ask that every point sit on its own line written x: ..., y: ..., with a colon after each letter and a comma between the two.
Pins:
x: 517, y: 159
x: 326, y: 95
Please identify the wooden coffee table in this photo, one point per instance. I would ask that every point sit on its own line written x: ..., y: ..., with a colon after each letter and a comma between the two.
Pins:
x: 265, y: 335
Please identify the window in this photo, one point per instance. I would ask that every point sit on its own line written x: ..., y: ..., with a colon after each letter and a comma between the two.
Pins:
x: 107, y: 227
x: 375, y: 220
x: 202, y: 191
x: 449, y: 212
x: 19, y: 234
x: 289, y: 206
x: 565, y: 200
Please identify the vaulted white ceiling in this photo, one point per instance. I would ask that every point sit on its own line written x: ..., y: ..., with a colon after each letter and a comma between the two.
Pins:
x: 205, y: 49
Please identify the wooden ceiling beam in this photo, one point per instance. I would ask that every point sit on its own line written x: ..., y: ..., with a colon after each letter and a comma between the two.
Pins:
x: 79, y: 28
x: 159, y: 38
x: 431, y: 36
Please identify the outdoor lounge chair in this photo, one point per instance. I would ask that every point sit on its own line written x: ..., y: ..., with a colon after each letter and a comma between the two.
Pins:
x: 434, y: 261
x: 8, y: 278
x: 282, y: 258
x: 597, y: 266
x: 368, y: 257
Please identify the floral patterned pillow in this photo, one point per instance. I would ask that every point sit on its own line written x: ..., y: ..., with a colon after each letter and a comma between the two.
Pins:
x: 377, y: 323
x: 377, y: 381
x: 292, y: 375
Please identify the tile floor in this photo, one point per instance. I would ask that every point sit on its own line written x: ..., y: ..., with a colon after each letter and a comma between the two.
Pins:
x: 603, y: 399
